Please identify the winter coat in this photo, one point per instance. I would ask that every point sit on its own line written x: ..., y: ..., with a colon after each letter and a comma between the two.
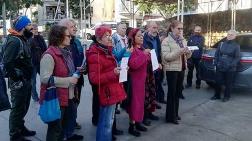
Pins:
x: 171, y: 58
x: 227, y: 56
x: 60, y: 74
x: 78, y: 55
x: 38, y: 47
x: 148, y: 45
x: 199, y: 41
x: 138, y: 72
x: 17, y: 57
x: 101, y: 65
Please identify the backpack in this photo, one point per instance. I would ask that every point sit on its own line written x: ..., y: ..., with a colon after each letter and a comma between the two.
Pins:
x: 2, y: 54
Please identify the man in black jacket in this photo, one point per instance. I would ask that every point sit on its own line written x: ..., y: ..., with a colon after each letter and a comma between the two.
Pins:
x: 227, y: 57
x: 38, y: 47
x: 18, y: 68
x: 195, y: 40
x: 152, y: 41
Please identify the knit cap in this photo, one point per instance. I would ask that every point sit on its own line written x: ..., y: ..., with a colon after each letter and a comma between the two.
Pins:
x: 21, y: 22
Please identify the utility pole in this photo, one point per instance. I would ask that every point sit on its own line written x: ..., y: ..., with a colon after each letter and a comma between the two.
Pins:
x: 182, y: 11
x: 178, y: 11
x: 67, y: 9
x: 81, y: 16
x: 233, y: 18
x: 4, y: 19
x: 85, y: 27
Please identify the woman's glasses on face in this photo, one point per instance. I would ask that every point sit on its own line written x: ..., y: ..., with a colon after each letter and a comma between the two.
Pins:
x: 180, y: 28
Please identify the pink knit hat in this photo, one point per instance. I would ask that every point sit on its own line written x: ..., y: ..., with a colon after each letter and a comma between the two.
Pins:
x: 101, y: 30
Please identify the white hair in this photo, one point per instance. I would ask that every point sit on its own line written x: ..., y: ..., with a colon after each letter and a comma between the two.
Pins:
x: 232, y: 32
x: 151, y: 23
x: 65, y: 22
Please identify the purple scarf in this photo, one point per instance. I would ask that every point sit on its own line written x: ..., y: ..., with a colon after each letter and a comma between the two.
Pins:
x: 180, y: 43
x: 68, y: 60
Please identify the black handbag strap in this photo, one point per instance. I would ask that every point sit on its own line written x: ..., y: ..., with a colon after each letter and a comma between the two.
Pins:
x: 50, y: 82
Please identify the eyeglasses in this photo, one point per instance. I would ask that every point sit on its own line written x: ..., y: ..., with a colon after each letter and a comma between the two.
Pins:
x: 180, y: 28
x: 69, y: 36
x: 108, y: 36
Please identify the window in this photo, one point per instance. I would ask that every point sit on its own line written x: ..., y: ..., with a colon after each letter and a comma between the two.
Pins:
x: 245, y: 43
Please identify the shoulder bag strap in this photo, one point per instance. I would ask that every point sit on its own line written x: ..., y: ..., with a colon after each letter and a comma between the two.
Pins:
x: 99, y: 75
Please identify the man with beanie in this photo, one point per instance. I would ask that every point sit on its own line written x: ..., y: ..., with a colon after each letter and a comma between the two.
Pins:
x: 18, y: 68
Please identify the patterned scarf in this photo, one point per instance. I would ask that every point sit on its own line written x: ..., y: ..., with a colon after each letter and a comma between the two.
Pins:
x: 68, y: 60
x: 178, y: 40
x: 180, y: 43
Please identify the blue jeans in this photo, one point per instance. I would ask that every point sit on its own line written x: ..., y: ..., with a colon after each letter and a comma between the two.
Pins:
x: 33, y: 82
x: 104, y: 127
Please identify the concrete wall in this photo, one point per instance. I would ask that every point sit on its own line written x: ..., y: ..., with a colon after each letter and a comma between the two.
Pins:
x: 104, y: 10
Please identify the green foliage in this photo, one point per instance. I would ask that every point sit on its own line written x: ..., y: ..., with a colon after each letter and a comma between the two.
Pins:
x: 74, y: 6
x: 12, y: 6
x: 145, y: 6
x: 165, y: 9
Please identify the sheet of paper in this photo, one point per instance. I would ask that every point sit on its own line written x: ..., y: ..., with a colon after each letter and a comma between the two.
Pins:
x: 124, y: 63
x: 124, y: 72
x: 193, y: 48
x: 154, y: 60
x: 123, y: 75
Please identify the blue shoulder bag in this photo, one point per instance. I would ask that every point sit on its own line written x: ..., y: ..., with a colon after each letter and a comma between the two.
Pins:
x: 50, y: 108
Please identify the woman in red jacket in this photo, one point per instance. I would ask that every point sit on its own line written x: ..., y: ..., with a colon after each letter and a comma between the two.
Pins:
x: 104, y: 73
x: 138, y: 72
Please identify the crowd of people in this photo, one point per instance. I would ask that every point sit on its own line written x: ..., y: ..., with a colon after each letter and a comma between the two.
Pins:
x: 25, y: 54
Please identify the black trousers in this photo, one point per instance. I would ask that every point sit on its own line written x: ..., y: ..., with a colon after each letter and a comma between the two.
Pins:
x: 20, y: 99
x: 95, y: 104
x: 226, y: 79
x: 175, y: 87
x: 55, y: 130
x: 191, y: 64
x: 158, y: 82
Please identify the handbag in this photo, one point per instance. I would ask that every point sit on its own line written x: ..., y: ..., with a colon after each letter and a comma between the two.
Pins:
x: 50, y: 108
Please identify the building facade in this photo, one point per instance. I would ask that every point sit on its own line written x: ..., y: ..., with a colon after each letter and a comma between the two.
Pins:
x: 48, y: 13
x: 209, y: 6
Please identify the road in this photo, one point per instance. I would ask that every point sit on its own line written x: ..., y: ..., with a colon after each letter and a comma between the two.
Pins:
x: 202, y: 119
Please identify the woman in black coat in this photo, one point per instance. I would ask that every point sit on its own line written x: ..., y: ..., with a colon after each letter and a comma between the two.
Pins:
x: 227, y: 57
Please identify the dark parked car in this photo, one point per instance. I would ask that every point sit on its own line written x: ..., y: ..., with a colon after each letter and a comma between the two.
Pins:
x: 243, y: 78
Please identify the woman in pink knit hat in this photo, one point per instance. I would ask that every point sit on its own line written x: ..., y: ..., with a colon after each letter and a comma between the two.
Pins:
x: 104, y: 73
